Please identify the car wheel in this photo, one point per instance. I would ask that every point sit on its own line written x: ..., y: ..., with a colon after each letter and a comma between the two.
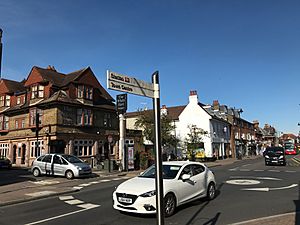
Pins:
x: 211, y: 191
x: 170, y: 204
x: 69, y: 174
x: 36, y: 172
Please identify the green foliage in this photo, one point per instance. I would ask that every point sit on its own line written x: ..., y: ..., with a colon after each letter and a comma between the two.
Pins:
x: 193, y: 139
x: 146, y: 122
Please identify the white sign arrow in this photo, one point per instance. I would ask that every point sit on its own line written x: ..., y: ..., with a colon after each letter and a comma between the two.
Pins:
x: 269, y: 189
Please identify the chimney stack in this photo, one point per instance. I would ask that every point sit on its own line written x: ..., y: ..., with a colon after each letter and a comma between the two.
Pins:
x: 216, y: 105
x: 164, y: 110
x: 193, y: 98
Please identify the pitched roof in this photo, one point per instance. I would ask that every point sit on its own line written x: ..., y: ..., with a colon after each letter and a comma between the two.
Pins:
x: 13, y: 86
x: 172, y: 112
x: 51, y: 75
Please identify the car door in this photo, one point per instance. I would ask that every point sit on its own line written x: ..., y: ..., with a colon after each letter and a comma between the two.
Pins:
x: 58, y: 165
x: 200, y: 179
x: 45, y: 164
x: 187, y: 189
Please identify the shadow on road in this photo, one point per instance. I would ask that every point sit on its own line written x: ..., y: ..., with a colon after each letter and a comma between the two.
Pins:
x: 14, y: 175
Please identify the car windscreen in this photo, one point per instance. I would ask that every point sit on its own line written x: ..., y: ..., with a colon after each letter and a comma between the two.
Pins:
x: 289, y: 146
x: 275, y: 150
x: 72, y: 159
x: 169, y: 172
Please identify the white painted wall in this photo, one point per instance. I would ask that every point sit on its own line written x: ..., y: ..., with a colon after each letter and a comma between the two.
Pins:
x: 193, y: 114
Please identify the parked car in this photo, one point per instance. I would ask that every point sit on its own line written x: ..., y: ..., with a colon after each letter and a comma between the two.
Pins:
x: 184, y: 181
x: 275, y: 155
x: 60, y: 165
x: 290, y: 149
x: 5, y: 162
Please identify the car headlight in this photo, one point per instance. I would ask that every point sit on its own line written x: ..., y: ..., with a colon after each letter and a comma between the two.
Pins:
x: 267, y: 156
x: 79, y: 168
x: 281, y: 157
x: 148, y: 194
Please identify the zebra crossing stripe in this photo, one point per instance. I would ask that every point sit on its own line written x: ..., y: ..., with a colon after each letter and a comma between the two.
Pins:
x: 74, y: 202
x: 88, y: 206
x: 64, y: 198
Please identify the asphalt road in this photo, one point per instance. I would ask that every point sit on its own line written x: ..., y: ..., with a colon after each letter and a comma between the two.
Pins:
x: 270, y: 190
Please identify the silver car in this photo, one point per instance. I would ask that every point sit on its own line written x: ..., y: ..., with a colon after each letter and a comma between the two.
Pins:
x: 60, y: 165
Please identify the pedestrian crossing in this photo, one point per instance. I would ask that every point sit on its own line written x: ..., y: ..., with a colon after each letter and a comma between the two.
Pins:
x: 70, y: 200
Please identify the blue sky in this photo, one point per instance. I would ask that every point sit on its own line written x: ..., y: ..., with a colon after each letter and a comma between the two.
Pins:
x: 244, y: 53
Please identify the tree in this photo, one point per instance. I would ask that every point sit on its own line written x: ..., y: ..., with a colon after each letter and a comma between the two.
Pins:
x: 193, y: 140
x: 146, y: 122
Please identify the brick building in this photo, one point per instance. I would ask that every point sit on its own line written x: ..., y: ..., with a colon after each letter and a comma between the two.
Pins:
x: 75, y: 113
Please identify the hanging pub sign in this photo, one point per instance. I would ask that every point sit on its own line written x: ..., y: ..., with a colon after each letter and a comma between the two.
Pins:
x: 122, y: 103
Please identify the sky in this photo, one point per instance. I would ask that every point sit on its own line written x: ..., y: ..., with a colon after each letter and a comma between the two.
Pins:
x: 243, y: 53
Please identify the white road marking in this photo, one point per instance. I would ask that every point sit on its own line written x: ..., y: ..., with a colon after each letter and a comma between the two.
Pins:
x: 270, y: 189
x: 258, y: 170
x: 45, y: 182
x: 41, y: 193
x: 246, y: 165
x: 64, y: 198
x: 259, y: 178
x: 118, y: 178
x: 88, y: 206
x: 244, y: 170
x: 243, y: 182
x: 102, y: 181
x: 94, y: 182
x: 276, y: 171
x: 74, y: 202
x: 84, y: 185
x: 77, y: 188
x: 290, y: 171
x: 57, y: 217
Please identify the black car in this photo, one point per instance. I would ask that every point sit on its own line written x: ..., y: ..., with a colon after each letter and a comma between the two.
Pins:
x: 4, y: 162
x: 275, y: 155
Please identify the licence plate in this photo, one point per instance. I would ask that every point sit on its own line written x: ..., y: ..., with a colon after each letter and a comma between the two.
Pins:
x: 274, y: 161
x: 125, y: 200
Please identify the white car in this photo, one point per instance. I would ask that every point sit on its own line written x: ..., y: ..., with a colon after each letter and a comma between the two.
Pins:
x: 184, y: 181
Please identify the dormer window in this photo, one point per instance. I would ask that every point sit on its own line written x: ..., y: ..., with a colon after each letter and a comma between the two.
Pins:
x: 85, y: 92
x: 4, y: 100
x: 20, y: 99
x: 37, y: 91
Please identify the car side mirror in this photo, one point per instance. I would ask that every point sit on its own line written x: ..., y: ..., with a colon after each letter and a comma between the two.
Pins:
x: 185, y: 177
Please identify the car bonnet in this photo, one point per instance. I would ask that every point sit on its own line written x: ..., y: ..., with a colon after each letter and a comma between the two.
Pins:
x: 137, y: 186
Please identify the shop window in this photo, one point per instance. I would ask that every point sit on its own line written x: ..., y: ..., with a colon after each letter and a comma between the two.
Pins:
x: 83, y: 147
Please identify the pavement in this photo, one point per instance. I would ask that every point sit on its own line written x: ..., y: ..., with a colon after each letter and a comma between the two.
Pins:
x: 28, y: 190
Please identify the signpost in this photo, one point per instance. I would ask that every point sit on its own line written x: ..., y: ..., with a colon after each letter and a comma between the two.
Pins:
x: 122, y: 103
x: 124, y: 83
x: 120, y: 82
x: 121, y: 108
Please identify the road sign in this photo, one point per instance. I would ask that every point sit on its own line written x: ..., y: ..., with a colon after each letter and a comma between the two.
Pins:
x: 122, y: 103
x: 124, y: 83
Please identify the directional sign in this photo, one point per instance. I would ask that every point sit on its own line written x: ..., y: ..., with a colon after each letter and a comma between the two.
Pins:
x: 124, y: 83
